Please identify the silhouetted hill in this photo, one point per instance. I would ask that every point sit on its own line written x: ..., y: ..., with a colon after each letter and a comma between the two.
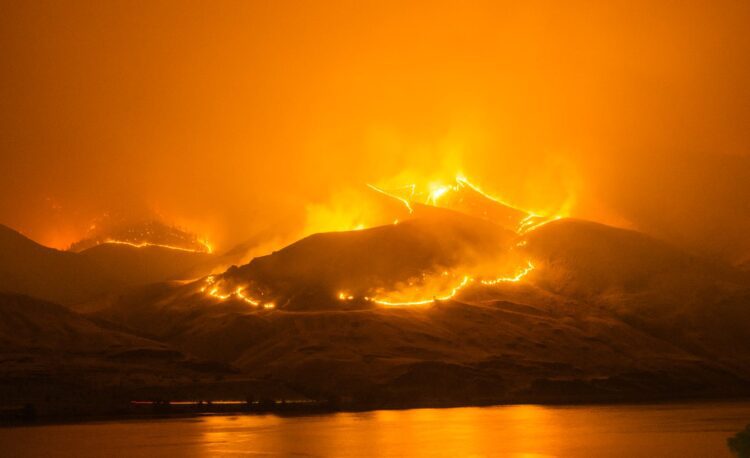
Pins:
x: 29, y: 268
x: 700, y: 304
x: 30, y: 323
x: 583, y: 257
x: 68, y: 278
x: 139, y: 232
x: 149, y: 264
x: 64, y: 363
x: 358, y: 261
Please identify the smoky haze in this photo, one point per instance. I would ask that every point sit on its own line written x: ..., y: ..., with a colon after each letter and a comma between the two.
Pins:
x: 233, y: 119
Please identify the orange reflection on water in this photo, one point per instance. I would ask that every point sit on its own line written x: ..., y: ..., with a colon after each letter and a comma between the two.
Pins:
x: 520, y: 431
x: 684, y: 430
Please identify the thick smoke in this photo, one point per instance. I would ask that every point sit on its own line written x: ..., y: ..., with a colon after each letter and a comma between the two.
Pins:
x: 237, y: 120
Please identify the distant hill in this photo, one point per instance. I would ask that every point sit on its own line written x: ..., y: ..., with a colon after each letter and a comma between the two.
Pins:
x: 139, y: 232
x: 66, y: 277
x: 148, y: 264
x: 371, y: 258
x: 702, y: 304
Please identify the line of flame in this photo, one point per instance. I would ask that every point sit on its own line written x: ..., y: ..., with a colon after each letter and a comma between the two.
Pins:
x: 401, y: 199
x: 527, y: 224
x: 465, y: 281
x: 208, y: 248
x: 239, y: 293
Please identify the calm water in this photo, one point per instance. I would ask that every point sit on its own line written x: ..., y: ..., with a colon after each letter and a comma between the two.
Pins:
x: 682, y: 430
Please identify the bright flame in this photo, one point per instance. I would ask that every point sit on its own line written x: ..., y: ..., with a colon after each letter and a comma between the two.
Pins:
x: 207, y: 247
x: 406, y: 202
x: 238, y: 293
x: 465, y: 281
x: 463, y: 181
x: 518, y: 277
x: 530, y: 222
x: 528, y: 226
x: 438, y: 193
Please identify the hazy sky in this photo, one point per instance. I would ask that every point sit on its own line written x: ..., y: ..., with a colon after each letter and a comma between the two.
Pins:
x: 226, y: 117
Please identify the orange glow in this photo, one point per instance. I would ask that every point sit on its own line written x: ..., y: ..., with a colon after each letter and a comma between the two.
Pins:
x: 437, y: 192
x: 466, y: 280
x: 516, y: 278
x: 404, y: 201
x: 462, y: 181
x: 239, y: 293
x: 562, y: 109
x: 206, y: 246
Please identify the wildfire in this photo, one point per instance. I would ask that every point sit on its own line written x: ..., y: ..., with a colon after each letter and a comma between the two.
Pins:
x: 525, y: 271
x: 207, y: 248
x: 529, y: 220
x: 534, y: 221
x: 406, y: 202
x: 212, y: 290
x: 465, y: 281
x: 447, y: 286
x: 440, y: 191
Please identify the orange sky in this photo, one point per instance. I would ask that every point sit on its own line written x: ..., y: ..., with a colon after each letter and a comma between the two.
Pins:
x: 229, y: 117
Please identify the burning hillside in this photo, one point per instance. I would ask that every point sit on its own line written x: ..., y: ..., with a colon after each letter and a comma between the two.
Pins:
x: 450, y: 297
x: 449, y: 239
x: 139, y: 234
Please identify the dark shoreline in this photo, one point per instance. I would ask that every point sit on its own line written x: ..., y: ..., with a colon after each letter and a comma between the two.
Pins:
x: 168, y: 412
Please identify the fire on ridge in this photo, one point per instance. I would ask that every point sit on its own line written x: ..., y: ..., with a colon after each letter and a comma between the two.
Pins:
x: 454, y: 291
x: 141, y: 234
x: 460, y: 197
x: 467, y: 197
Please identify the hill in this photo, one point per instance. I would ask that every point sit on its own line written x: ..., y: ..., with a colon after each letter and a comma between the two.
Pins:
x: 64, y: 363
x: 68, y: 278
x: 319, y: 266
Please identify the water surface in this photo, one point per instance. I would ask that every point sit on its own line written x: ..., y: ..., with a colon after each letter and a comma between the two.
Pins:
x: 684, y: 430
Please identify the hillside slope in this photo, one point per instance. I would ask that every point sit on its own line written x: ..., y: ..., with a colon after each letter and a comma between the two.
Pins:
x: 69, y: 278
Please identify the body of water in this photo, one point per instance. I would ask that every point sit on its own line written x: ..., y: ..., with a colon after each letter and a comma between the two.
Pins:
x: 679, y: 430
